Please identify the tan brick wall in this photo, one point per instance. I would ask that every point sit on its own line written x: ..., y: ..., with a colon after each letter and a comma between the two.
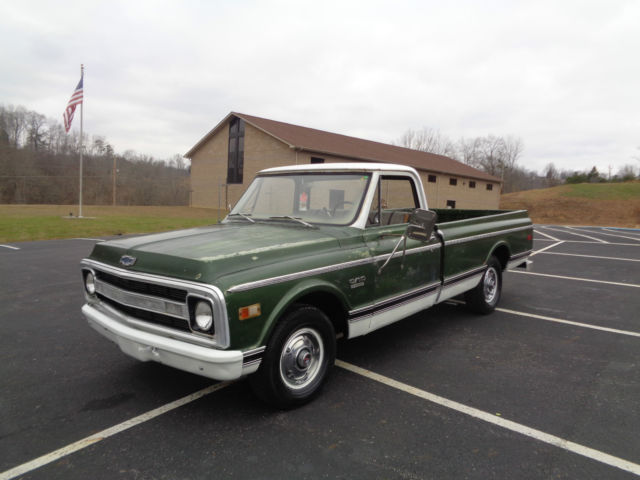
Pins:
x: 478, y: 198
x: 209, y: 170
x: 209, y: 165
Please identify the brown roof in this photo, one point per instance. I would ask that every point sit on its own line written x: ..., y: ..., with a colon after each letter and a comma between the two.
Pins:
x: 319, y: 141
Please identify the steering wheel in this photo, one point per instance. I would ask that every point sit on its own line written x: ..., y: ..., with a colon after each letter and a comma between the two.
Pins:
x: 339, y: 204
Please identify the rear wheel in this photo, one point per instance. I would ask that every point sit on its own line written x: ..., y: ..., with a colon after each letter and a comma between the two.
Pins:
x: 485, y: 296
x: 297, y: 359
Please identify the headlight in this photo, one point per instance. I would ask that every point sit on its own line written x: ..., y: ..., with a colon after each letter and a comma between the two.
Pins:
x: 90, y: 283
x: 203, y: 316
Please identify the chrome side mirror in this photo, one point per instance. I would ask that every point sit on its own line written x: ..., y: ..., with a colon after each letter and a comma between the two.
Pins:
x: 421, y: 224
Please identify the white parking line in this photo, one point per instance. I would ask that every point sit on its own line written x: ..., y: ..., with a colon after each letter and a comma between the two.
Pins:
x: 586, y: 256
x: 109, y: 432
x: 611, y: 234
x: 569, y: 322
x: 495, y: 420
x: 9, y: 247
x: 576, y: 278
x: 546, y: 235
x: 546, y: 248
x: 590, y: 243
x: 91, y: 239
x: 577, y: 234
x: 629, y: 231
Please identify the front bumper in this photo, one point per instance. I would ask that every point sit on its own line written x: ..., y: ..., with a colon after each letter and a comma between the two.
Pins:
x: 147, y: 346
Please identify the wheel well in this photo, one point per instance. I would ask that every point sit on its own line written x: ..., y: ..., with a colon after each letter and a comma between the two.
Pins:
x: 502, y: 254
x: 330, y: 305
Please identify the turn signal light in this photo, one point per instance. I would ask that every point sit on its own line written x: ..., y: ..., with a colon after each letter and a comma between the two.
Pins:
x: 251, y: 311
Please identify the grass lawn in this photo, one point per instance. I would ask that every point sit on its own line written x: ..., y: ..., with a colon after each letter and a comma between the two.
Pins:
x: 604, y: 204
x: 19, y: 223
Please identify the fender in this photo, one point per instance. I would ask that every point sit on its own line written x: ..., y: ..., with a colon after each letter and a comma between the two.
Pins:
x: 300, y: 290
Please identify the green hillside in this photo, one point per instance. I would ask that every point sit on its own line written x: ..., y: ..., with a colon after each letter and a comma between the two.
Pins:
x: 604, y: 204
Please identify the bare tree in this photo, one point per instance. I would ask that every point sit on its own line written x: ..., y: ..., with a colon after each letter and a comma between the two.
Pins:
x: 427, y: 140
x: 36, y: 130
x: 626, y: 173
x: 552, y: 176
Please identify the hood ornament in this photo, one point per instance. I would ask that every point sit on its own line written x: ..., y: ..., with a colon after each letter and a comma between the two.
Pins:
x: 127, y: 260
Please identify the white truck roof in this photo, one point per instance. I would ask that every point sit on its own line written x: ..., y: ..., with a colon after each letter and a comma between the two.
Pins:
x: 333, y: 167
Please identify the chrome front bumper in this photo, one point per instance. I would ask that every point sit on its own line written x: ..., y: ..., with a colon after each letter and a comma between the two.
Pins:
x: 147, y: 346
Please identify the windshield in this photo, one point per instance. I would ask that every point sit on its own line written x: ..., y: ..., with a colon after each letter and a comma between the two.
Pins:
x: 324, y: 198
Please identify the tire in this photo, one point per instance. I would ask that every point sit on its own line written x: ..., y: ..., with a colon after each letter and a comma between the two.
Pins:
x: 486, y: 295
x: 297, y: 360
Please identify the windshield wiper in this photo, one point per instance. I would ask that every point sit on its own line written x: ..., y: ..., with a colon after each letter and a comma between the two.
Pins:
x: 295, y: 219
x: 246, y: 216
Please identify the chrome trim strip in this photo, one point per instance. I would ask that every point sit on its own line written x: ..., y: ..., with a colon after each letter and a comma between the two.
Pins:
x: 518, y: 256
x: 391, y: 302
x: 252, y: 353
x: 221, y: 325
x: 458, y: 287
x: 511, y: 212
x: 330, y: 268
x: 519, y: 260
x: 294, y: 276
x: 458, y: 241
x: 462, y: 276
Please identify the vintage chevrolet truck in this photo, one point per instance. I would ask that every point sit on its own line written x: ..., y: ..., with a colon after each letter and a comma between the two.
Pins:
x: 308, y: 254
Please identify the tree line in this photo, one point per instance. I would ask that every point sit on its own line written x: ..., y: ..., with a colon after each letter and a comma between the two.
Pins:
x: 499, y: 156
x: 39, y: 163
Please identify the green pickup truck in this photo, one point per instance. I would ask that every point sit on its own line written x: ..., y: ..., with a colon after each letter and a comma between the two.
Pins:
x: 308, y: 254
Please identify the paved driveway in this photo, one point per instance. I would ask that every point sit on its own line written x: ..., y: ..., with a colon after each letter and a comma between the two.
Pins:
x: 545, y: 387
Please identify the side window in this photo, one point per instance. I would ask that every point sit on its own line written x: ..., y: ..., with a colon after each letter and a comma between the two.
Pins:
x: 394, y: 201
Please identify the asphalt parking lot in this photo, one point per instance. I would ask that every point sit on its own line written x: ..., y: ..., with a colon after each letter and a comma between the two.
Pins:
x: 548, y: 386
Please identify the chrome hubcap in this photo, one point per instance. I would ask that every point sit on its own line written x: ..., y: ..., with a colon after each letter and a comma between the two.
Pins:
x: 301, y: 358
x: 490, y: 285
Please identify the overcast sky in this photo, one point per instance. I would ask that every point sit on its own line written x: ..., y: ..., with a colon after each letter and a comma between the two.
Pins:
x: 564, y: 76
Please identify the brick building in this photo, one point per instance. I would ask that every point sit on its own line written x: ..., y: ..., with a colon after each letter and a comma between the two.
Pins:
x: 226, y: 159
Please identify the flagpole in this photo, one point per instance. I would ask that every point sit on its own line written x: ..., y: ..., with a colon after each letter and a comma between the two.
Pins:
x: 81, y: 122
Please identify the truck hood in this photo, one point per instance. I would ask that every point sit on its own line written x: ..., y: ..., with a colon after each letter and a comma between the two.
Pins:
x: 207, y: 253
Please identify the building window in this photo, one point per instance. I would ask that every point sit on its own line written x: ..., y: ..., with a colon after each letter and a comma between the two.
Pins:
x: 236, y: 151
x: 317, y: 160
x: 472, y: 184
x: 432, y: 179
x: 453, y: 182
x: 451, y: 204
x: 489, y: 186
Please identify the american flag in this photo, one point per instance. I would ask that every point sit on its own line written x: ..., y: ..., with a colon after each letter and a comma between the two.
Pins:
x: 76, y: 99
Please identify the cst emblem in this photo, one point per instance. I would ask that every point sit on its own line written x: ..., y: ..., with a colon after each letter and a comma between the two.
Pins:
x: 127, y: 260
x: 357, y: 281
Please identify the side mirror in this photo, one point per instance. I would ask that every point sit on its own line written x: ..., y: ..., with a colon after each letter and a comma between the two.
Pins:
x: 421, y: 224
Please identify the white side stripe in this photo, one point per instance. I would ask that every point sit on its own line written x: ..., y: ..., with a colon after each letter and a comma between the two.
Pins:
x: 495, y: 420
x: 109, y: 432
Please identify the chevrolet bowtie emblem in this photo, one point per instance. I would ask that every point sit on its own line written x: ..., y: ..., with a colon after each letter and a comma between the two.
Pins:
x: 127, y: 260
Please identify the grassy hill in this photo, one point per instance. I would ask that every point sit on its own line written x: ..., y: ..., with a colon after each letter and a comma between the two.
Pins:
x: 605, y: 204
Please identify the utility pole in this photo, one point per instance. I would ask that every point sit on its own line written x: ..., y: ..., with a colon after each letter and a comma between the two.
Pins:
x: 114, y: 180
x: 81, y: 125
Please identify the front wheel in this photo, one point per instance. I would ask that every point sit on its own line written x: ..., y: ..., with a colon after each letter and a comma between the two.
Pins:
x: 484, y: 297
x: 297, y: 359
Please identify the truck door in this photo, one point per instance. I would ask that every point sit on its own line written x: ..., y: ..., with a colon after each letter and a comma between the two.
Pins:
x: 410, y: 280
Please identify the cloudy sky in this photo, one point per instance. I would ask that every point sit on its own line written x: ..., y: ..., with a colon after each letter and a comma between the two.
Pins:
x: 564, y: 76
